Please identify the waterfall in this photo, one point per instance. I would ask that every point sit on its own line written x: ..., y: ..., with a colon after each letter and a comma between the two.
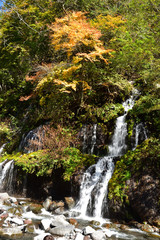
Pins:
x: 94, y: 187
x: 2, y: 148
x: 94, y: 138
x: 140, y: 134
x: 31, y: 141
x: 89, y: 138
x: 6, y: 175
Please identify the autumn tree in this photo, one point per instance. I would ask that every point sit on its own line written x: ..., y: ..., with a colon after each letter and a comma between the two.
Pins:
x: 78, y: 42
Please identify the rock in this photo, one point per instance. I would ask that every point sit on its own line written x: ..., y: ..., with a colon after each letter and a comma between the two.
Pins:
x: 147, y: 228
x: 87, y: 238
x: 106, y: 225
x: 62, y: 231
x: 13, y: 200
x: 156, y: 221
x: 59, y: 210
x: 41, y: 236
x: 98, y: 235
x: 4, y: 215
x: 79, y: 236
x: 48, y: 237
x: 15, y: 220
x: 70, y: 203
x: 124, y: 227
x: 10, y: 231
x: 28, y: 221
x: 73, y: 222
x: 45, y: 223
x: 47, y: 203
x: 30, y: 228
x: 59, y: 221
x: 56, y: 205
x: 88, y: 230
x: 34, y: 207
x: 96, y: 223
x: 3, y: 197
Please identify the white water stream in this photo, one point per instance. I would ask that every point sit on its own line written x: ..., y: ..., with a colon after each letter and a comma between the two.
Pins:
x: 94, y: 187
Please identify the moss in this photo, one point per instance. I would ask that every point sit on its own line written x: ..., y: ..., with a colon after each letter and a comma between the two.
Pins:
x: 144, y: 158
x: 42, y: 164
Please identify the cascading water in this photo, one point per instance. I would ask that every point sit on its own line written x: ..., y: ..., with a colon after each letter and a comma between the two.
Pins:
x: 6, y: 175
x: 94, y: 187
x: 140, y: 134
x: 32, y: 141
x: 89, y: 133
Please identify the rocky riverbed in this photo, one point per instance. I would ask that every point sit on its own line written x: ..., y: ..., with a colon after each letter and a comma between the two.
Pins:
x: 51, y: 220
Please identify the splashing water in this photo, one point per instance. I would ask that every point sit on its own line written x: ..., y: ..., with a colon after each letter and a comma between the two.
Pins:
x: 94, y: 187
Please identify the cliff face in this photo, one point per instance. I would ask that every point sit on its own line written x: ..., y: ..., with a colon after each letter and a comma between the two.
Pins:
x: 134, y: 190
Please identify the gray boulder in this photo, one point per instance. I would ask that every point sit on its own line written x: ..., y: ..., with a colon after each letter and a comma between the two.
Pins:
x: 98, y: 235
x: 62, y: 230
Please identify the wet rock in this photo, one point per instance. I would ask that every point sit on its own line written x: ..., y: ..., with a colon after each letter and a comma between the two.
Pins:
x: 59, y: 221
x: 87, y: 238
x: 28, y: 221
x: 34, y: 207
x: 69, y: 202
x: 48, y: 237
x: 47, y: 203
x: 4, y: 215
x: 3, y: 197
x: 73, y: 222
x: 124, y: 227
x: 41, y: 236
x: 54, y: 205
x: 13, y: 200
x: 135, y: 224
x: 15, y: 220
x: 10, y: 231
x: 61, y: 231
x: 30, y: 228
x: 88, y: 230
x: 95, y: 223
x: 147, y: 228
x: 106, y: 225
x: 45, y: 223
x: 156, y: 221
x: 79, y: 236
x: 59, y: 210
x: 98, y: 235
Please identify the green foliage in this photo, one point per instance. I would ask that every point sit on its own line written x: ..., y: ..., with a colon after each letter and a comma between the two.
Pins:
x: 145, y: 158
x: 5, y: 132
x: 42, y: 163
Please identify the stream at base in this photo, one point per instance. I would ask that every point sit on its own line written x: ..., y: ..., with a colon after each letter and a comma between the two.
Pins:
x: 112, y: 230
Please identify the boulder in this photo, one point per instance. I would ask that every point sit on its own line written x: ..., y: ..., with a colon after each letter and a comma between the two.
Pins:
x: 59, y: 221
x: 70, y: 203
x: 147, y: 228
x: 98, y: 235
x: 4, y: 197
x: 73, y: 222
x: 56, y: 205
x: 45, y: 223
x: 47, y: 203
x: 48, y: 237
x: 15, y: 220
x: 62, y: 231
x: 88, y: 230
x: 59, y: 210
x: 79, y: 236
x: 41, y: 236
x: 10, y: 231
